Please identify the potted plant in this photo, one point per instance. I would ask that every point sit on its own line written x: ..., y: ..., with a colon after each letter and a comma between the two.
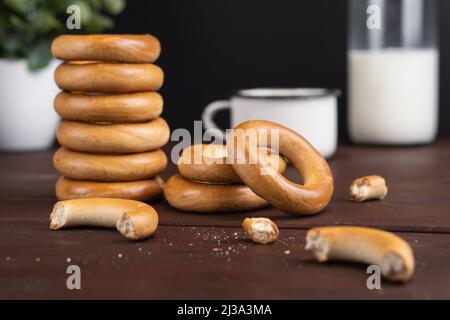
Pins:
x: 27, y: 89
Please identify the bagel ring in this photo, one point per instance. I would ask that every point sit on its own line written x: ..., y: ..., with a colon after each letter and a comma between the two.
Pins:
x: 141, y: 190
x: 309, y: 198
x: 123, y: 108
x: 199, y: 197
x: 207, y: 163
x: 107, y: 47
x: 108, y: 77
x: 113, y: 138
x: 96, y: 167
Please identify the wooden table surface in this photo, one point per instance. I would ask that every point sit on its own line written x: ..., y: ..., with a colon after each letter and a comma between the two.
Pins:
x: 195, y: 256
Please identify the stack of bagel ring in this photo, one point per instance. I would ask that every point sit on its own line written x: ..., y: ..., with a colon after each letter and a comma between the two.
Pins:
x: 111, y: 134
x: 239, y: 177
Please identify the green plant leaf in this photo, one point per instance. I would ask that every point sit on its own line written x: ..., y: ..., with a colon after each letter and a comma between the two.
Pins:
x: 58, y: 6
x: 19, y: 6
x: 39, y: 56
x: 99, y: 22
x: 19, y: 23
x: 11, y: 43
x: 96, y: 4
x: 26, y: 26
x: 85, y: 11
x: 114, y: 6
x: 43, y: 21
x: 11, y: 46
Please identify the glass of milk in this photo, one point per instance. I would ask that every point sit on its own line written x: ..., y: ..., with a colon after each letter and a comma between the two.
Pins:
x: 393, y: 71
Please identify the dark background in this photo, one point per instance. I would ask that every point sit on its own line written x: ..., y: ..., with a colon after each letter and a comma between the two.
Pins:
x: 212, y: 47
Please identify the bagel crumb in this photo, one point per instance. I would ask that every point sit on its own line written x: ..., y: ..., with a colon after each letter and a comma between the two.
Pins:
x: 368, y: 188
x: 261, y: 230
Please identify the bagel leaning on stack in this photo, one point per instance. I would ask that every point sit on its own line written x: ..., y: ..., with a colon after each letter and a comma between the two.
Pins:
x: 309, y: 198
x: 111, y: 134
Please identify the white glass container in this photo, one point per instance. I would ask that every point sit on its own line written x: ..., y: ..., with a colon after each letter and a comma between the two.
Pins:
x: 393, y: 71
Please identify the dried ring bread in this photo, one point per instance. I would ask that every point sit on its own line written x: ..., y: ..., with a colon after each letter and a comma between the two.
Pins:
x: 113, y: 138
x: 108, y: 77
x: 208, y: 163
x: 309, y: 198
x: 142, y: 190
x: 192, y: 196
x: 123, y: 108
x: 392, y: 254
x: 99, y: 167
x: 135, y: 220
x: 107, y: 47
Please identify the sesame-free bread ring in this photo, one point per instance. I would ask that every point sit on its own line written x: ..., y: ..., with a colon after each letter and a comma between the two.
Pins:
x: 108, y: 77
x: 113, y: 138
x: 134, y: 219
x: 208, y: 163
x: 122, y: 108
x: 386, y: 250
x: 309, y: 198
x: 99, y: 167
x: 107, y: 47
x: 190, y: 196
x: 142, y: 190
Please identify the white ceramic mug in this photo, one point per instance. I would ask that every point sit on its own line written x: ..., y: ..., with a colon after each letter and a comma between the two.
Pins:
x: 310, y: 112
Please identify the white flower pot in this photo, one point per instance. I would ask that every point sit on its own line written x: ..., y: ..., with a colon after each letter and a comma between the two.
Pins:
x: 27, y: 118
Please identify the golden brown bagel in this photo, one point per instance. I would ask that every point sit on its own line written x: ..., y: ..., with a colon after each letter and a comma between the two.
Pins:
x: 208, y: 163
x: 113, y: 138
x: 191, y: 196
x: 96, y: 167
x: 107, y: 47
x: 108, y: 77
x: 135, y: 220
x: 142, y: 190
x: 392, y: 254
x: 123, y: 108
x: 287, y: 196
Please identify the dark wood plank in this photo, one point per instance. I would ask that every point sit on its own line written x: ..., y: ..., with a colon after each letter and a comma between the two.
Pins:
x: 418, y: 199
x: 199, y: 263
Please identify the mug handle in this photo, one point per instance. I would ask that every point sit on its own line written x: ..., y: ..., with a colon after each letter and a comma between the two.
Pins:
x: 209, y: 113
